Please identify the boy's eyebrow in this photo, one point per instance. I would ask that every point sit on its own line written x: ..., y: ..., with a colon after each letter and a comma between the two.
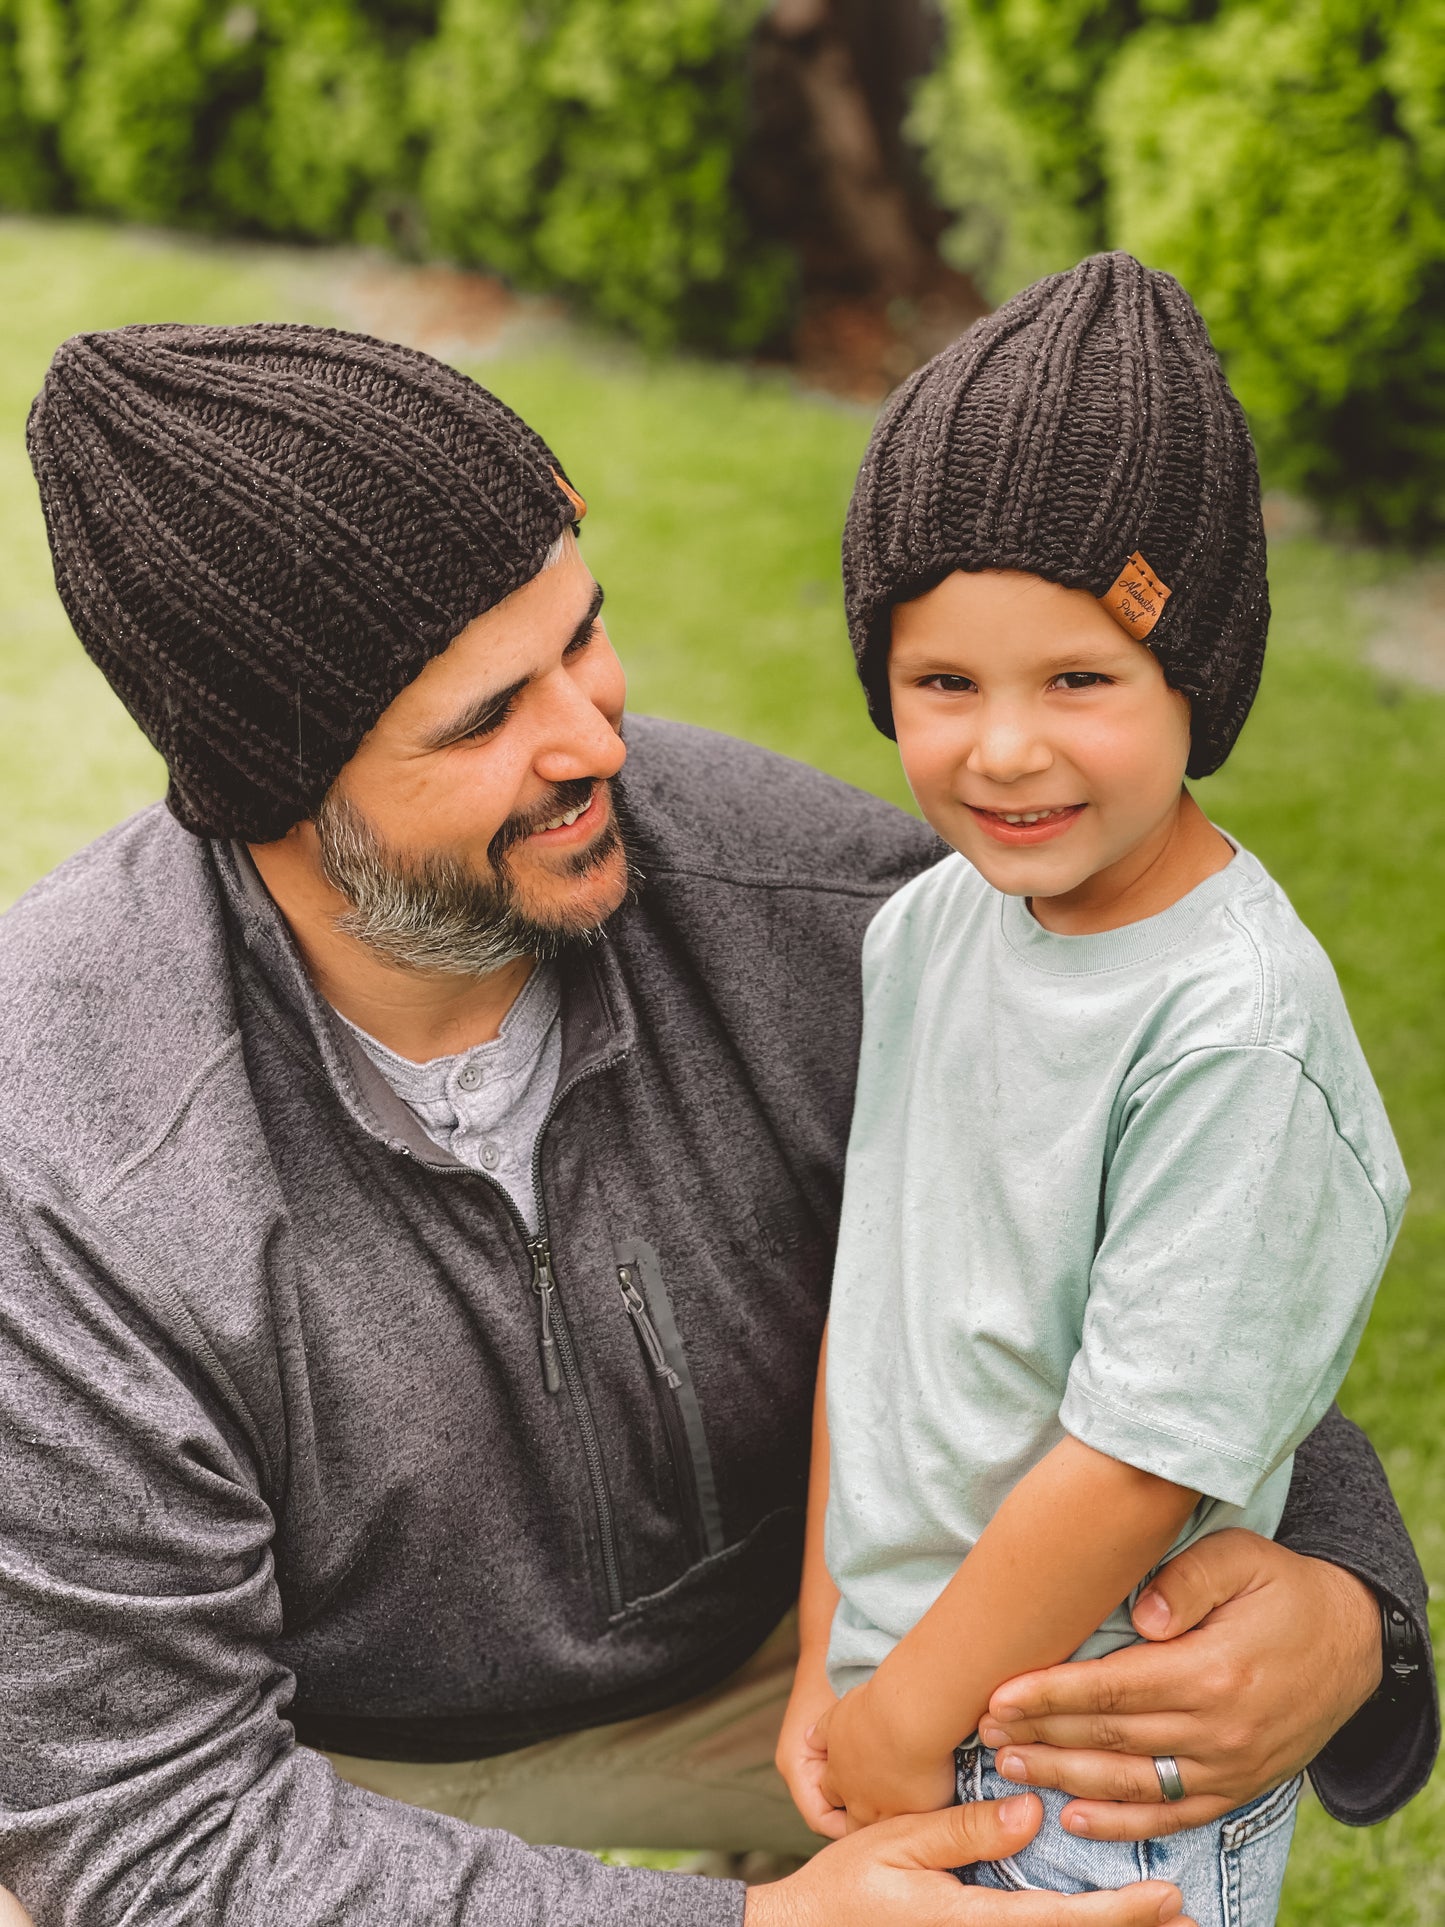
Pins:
x: 481, y: 708
x: 1088, y: 654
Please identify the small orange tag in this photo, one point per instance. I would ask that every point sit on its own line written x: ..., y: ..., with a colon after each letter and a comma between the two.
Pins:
x: 1136, y: 600
x: 581, y: 507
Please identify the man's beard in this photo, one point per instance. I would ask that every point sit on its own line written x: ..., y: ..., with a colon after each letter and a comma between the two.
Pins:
x: 433, y: 913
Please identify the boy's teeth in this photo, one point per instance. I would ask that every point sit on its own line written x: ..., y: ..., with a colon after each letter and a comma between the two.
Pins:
x: 1033, y: 816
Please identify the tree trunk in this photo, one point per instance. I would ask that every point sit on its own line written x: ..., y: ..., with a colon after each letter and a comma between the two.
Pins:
x: 829, y: 172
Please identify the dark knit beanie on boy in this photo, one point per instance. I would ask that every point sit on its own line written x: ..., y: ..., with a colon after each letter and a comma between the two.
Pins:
x: 1084, y: 433
x: 262, y: 534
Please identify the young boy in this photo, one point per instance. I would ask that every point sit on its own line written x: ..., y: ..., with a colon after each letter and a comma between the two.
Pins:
x: 1120, y: 1187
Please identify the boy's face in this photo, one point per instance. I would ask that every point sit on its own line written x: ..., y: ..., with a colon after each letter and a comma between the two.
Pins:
x: 1014, y: 698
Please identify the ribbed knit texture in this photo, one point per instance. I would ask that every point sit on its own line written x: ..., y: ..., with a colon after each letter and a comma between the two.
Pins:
x: 1084, y: 420
x: 262, y: 534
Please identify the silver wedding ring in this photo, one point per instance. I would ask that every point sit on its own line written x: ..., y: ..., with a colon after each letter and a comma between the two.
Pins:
x: 1170, y: 1784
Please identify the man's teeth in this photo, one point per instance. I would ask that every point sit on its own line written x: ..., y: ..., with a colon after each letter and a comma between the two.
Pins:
x: 567, y: 818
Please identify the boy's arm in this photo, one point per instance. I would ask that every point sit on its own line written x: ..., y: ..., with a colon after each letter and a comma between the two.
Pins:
x: 1071, y: 1541
x: 818, y: 1600
x: 798, y: 1758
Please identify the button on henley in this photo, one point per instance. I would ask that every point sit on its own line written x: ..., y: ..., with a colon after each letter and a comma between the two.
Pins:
x: 487, y: 1105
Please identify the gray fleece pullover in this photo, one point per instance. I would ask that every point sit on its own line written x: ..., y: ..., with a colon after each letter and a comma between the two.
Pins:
x: 284, y: 1452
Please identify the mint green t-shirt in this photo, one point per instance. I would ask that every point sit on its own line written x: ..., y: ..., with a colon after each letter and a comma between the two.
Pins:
x: 1136, y: 1186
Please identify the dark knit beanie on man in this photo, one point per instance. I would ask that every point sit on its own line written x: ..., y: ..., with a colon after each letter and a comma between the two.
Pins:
x: 262, y: 534
x: 1084, y: 433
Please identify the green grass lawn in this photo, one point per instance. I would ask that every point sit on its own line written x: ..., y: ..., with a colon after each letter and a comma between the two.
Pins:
x: 716, y: 500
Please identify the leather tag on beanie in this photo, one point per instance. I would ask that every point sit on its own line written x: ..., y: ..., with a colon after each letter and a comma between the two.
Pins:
x: 576, y: 500
x: 1137, y: 597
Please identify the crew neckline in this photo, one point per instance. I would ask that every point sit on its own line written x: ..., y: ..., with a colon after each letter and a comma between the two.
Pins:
x: 1099, y: 950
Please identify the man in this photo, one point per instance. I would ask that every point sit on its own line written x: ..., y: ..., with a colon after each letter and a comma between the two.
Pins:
x: 422, y: 1147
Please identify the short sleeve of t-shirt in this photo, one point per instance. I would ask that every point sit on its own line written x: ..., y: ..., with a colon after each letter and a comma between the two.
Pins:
x: 1242, y: 1242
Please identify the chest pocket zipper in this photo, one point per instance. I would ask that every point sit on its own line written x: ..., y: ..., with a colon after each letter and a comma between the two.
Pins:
x: 644, y: 1295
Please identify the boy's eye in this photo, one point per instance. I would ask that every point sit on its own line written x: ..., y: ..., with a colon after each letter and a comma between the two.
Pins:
x: 1079, y: 679
x: 579, y: 643
x: 950, y: 685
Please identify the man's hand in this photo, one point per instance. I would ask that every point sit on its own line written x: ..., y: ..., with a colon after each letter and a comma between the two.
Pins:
x: 799, y: 1758
x: 1258, y: 1656
x: 868, y: 1766
x: 12, y: 1914
x: 895, y: 1875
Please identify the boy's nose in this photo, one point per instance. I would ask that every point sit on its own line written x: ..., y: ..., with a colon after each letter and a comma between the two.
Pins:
x: 1006, y: 748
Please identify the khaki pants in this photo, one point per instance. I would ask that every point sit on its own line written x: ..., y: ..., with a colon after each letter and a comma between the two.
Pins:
x: 699, y: 1776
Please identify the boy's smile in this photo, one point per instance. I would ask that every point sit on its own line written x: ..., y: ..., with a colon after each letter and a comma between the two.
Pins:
x: 1044, y: 743
x: 1024, y: 826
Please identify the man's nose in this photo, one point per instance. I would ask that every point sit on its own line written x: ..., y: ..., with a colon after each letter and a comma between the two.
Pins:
x: 577, y: 736
x: 1007, y: 744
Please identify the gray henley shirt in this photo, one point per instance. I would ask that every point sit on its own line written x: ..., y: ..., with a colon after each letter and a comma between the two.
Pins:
x: 487, y: 1105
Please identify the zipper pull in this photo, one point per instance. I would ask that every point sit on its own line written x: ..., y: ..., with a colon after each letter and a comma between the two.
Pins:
x: 637, y: 1311
x: 544, y: 1285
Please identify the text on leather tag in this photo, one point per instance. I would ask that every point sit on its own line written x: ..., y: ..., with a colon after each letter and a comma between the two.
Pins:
x: 1136, y: 599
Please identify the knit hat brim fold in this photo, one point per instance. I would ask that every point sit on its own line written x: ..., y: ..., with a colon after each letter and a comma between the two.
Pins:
x: 1084, y: 423
x: 263, y: 534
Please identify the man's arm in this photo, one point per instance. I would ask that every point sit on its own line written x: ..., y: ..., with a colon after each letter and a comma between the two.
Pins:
x: 1341, y: 1509
x: 147, y: 1771
x: 899, y: 1875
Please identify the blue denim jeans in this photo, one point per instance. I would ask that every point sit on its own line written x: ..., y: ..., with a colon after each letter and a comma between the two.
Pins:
x: 1230, y: 1873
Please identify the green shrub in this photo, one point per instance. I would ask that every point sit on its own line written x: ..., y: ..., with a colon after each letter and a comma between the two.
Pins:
x: 31, y: 64
x: 582, y: 145
x: 124, y: 95
x: 589, y: 145
x: 318, y: 145
x: 1285, y: 158
x: 1288, y: 164
x: 1005, y: 121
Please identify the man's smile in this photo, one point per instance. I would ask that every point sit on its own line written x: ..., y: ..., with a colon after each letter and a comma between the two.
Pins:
x: 576, y: 825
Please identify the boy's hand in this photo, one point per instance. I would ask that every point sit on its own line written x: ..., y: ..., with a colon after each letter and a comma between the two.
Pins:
x: 799, y: 1758
x: 870, y: 1769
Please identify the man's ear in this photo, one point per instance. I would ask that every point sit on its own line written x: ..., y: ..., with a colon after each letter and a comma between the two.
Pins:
x: 295, y: 836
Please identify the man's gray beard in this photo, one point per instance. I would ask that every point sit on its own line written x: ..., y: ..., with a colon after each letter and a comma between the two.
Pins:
x: 432, y: 913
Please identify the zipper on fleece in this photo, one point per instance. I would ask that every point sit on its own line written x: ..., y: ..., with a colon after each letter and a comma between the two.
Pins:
x: 636, y: 1305
x: 666, y: 1386
x: 559, y: 1359
x: 545, y: 1286
x: 558, y: 1354
x: 644, y: 1295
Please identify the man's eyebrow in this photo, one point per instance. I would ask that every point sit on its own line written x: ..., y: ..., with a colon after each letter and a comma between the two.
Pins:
x: 482, y: 708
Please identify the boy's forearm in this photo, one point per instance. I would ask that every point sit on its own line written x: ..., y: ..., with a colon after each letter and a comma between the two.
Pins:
x: 1071, y: 1541
x: 819, y: 1596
